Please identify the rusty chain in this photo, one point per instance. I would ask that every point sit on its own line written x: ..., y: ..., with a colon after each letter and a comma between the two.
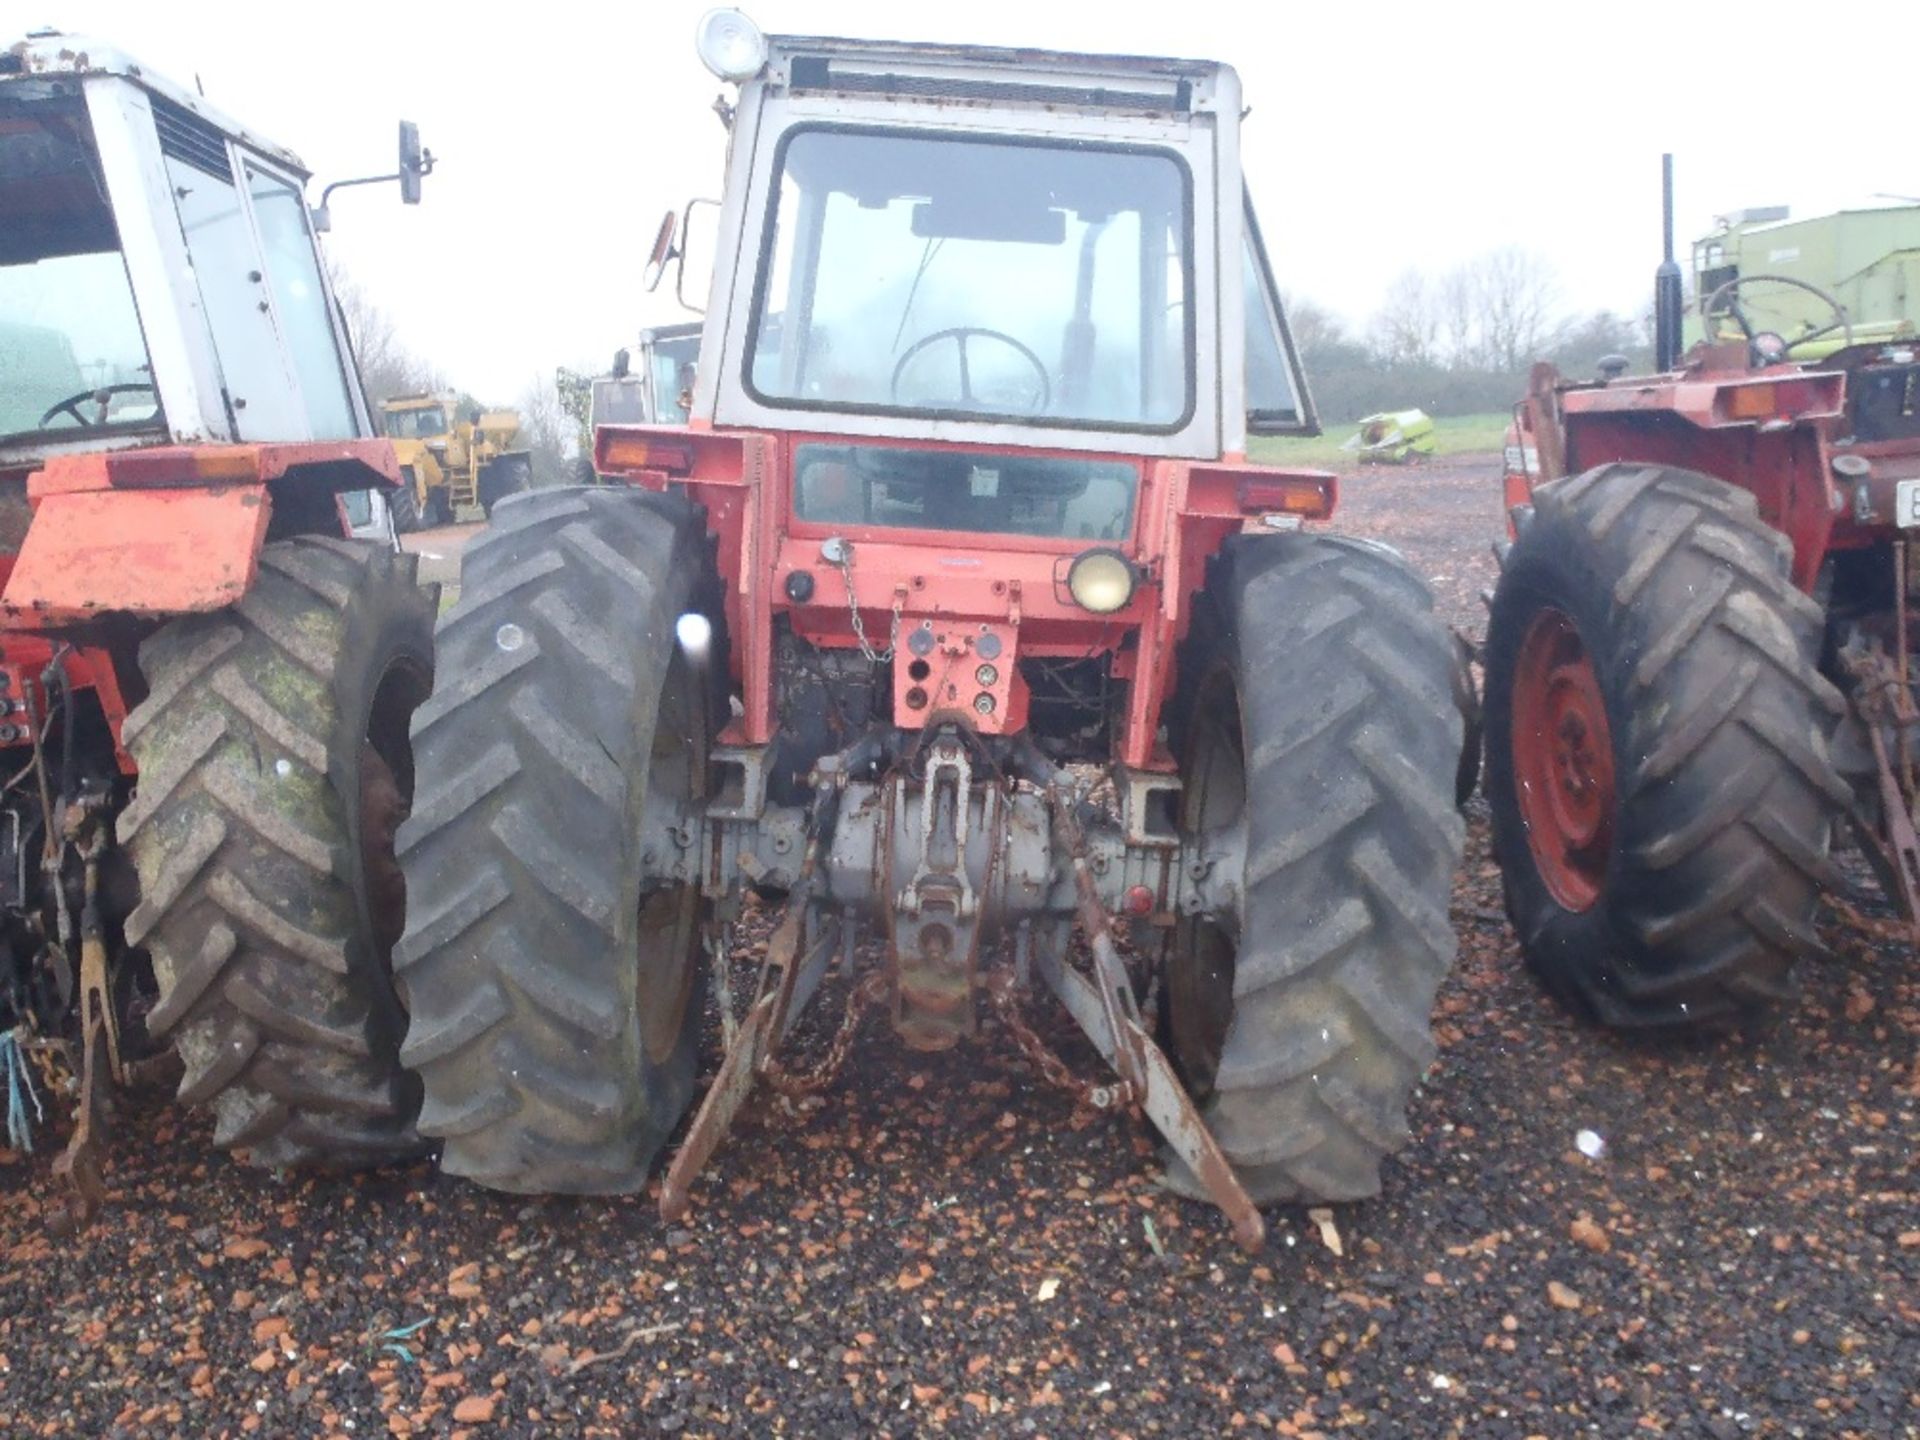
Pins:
x: 1871, y: 927
x: 870, y: 990
x: 865, y: 993
x: 1002, y: 990
x: 842, y: 560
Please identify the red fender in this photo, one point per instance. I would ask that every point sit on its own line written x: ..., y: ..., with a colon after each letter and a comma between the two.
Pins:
x: 167, y: 531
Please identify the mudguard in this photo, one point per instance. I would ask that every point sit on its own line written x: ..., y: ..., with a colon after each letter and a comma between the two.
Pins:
x: 167, y: 531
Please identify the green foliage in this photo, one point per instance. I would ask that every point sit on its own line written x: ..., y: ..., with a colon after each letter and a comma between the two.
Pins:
x: 1351, y: 378
x: 575, y: 391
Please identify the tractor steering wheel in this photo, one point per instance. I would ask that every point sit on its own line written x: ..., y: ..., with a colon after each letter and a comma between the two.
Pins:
x: 71, y: 405
x: 960, y: 334
x: 1768, y: 347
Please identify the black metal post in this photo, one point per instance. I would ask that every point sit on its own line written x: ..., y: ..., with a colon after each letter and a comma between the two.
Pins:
x: 1668, y: 301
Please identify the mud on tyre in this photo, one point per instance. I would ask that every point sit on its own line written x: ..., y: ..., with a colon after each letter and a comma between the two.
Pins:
x: 274, y: 763
x: 1657, y: 750
x: 555, y: 1000
x: 1317, y: 717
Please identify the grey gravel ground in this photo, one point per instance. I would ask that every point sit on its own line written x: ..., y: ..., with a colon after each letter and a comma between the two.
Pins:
x: 943, y: 1246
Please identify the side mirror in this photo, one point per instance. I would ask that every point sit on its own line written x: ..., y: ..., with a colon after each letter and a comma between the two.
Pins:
x: 663, y: 251
x: 415, y: 163
x: 710, y: 244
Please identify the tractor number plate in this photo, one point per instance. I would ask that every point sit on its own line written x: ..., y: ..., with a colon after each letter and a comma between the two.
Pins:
x: 1906, y: 504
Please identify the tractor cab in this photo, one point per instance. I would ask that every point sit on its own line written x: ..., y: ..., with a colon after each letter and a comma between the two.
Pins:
x: 424, y: 418
x: 160, y: 283
x: 668, y: 358
x: 954, y: 246
x: 1006, y: 304
x: 653, y: 388
x: 1793, y: 273
x: 159, y: 279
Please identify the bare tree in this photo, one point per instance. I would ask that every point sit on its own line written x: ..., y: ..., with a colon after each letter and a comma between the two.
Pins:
x: 1583, y: 341
x: 1313, y: 327
x: 1514, y: 294
x: 387, y: 366
x: 1459, y: 316
x: 547, y: 432
x: 1406, y: 331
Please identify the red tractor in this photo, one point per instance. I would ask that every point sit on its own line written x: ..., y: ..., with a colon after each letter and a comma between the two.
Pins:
x: 953, y: 617
x: 206, y: 682
x: 1700, y: 663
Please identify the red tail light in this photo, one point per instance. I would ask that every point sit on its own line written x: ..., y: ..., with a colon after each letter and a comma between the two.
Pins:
x: 1309, y: 496
x: 623, y: 451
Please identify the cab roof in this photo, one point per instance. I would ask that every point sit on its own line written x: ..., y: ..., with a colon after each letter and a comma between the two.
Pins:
x: 49, y: 54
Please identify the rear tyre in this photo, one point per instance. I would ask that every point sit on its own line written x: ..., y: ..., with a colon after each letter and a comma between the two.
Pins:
x: 404, y: 503
x: 439, y: 510
x: 274, y: 760
x: 555, y: 998
x: 1316, y: 721
x: 1657, y: 751
x: 509, y: 475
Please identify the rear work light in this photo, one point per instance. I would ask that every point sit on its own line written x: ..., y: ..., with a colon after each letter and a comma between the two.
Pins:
x: 730, y: 45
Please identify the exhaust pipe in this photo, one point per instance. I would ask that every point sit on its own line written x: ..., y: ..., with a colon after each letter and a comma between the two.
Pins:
x: 1667, y: 300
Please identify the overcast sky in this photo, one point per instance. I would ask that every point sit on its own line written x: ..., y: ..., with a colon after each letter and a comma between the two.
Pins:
x: 1382, y: 136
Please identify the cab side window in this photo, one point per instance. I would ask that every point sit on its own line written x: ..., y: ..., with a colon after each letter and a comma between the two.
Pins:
x: 300, y: 299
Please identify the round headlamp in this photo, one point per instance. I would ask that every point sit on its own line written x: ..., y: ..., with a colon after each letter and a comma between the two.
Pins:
x: 730, y: 45
x: 1101, y: 581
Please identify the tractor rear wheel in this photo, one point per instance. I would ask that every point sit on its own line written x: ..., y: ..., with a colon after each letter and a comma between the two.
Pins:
x: 555, y: 998
x: 509, y: 475
x: 1317, y: 722
x: 1657, y: 750
x: 274, y: 765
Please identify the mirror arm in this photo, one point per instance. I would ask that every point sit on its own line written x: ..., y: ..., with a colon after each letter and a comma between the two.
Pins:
x: 323, y: 218
x: 680, y: 282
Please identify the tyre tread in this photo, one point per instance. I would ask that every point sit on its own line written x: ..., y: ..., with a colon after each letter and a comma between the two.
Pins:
x: 268, y: 986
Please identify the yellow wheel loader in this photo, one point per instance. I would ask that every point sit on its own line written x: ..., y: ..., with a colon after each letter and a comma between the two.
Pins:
x: 452, y: 461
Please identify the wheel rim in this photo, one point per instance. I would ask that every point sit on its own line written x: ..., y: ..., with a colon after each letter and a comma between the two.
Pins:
x: 670, y: 914
x: 386, y: 796
x: 1563, y: 760
x: 1214, y: 796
